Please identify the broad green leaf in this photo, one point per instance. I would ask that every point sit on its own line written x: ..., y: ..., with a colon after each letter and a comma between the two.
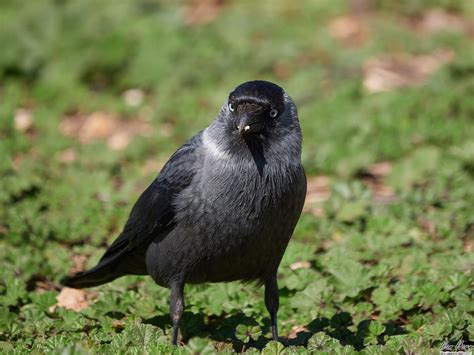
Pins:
x: 273, y: 348
x: 200, y: 346
x: 246, y: 332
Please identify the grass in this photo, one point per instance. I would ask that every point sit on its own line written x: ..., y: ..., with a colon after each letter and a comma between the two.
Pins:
x: 359, y: 275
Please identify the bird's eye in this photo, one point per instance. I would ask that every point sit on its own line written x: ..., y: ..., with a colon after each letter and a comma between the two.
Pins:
x: 273, y: 113
x: 231, y: 107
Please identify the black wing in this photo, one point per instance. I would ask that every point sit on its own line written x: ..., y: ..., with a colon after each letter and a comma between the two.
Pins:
x: 152, y: 216
x: 153, y: 212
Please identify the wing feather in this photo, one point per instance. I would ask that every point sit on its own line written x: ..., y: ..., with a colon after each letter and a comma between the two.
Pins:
x: 153, y: 212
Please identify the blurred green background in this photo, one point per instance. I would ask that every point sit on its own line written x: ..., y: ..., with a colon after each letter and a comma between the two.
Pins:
x: 96, y: 95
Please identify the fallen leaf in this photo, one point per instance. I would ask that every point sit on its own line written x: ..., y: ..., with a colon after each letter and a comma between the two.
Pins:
x: 383, y: 194
x: 133, y: 97
x: 200, y: 12
x: 390, y: 72
x: 381, y: 169
x: 100, y: 125
x: 87, y: 128
x: 349, y: 29
x: 118, y: 324
x: 437, y: 19
x: 374, y: 178
x: 103, y: 197
x: 468, y: 246
x: 361, y: 6
x: 67, y: 156
x: 295, y: 330
x: 119, y: 140
x: 469, y: 238
x: 300, y: 265
x: 318, y: 191
x: 23, y: 119
x: 71, y: 298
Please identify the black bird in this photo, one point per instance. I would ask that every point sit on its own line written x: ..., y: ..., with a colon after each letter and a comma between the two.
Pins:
x: 223, y: 208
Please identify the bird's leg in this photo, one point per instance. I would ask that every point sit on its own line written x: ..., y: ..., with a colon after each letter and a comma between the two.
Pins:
x: 176, y: 309
x: 272, y: 301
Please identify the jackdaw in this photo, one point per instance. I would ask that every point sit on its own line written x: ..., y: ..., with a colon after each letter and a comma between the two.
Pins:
x: 223, y: 208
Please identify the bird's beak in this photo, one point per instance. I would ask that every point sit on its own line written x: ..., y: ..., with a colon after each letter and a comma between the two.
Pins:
x: 243, y: 128
x: 249, y: 124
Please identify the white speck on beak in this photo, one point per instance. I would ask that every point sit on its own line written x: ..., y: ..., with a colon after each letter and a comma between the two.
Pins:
x: 246, y: 128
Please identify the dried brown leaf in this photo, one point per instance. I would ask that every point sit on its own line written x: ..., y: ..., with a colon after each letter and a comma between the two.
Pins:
x: 101, y: 125
x: 67, y: 156
x: 437, y: 19
x: 383, y: 194
x: 133, y: 97
x: 72, y: 299
x: 469, y: 238
x: 361, y: 6
x: 390, y: 72
x: 349, y: 29
x: 318, y: 191
x: 88, y: 128
x: 374, y: 179
x: 300, y: 265
x: 295, y: 330
x: 469, y: 246
x: 118, y: 324
x: 119, y: 140
x: 23, y: 119
x: 381, y: 169
x: 3, y: 230
x: 200, y: 12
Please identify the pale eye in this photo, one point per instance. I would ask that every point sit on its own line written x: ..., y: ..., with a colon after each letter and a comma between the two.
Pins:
x: 231, y: 107
x: 273, y: 113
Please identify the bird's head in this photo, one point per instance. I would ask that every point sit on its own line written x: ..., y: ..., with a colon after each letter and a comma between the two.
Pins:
x: 255, y: 107
x: 258, y: 118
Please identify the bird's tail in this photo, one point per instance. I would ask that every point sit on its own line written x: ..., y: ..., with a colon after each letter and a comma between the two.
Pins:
x: 117, y: 261
x: 108, y: 268
x: 98, y: 275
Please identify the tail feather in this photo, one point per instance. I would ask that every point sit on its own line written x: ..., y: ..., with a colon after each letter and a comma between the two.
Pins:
x: 116, y: 262
x: 105, y: 271
x: 99, y: 275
